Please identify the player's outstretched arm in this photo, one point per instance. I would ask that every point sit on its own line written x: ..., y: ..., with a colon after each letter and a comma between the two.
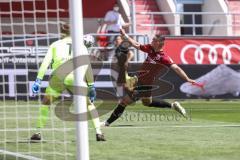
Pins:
x: 46, y: 62
x: 89, y: 78
x: 134, y: 43
x: 90, y: 83
x: 181, y: 73
x: 42, y: 70
x: 130, y: 56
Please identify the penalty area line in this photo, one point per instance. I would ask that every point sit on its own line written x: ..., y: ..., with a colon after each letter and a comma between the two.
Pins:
x: 19, y: 155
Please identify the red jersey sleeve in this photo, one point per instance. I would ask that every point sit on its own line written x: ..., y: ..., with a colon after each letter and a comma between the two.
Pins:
x: 166, y: 60
x: 145, y: 48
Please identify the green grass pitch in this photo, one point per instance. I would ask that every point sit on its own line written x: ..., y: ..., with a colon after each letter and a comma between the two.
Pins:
x: 211, y: 132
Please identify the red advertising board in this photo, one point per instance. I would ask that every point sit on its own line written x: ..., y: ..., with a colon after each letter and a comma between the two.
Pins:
x: 203, y: 50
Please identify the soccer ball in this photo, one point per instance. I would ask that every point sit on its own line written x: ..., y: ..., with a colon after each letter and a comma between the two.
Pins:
x: 88, y: 40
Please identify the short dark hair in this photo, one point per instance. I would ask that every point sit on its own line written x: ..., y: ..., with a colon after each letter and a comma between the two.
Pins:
x: 160, y: 37
x: 115, y: 38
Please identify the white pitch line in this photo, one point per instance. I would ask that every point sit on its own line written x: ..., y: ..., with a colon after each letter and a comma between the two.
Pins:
x: 185, y: 126
x: 34, y: 129
x: 129, y: 127
x: 19, y: 155
x: 208, y: 126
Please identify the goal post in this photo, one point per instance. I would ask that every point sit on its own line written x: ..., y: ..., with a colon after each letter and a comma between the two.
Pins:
x: 27, y: 29
x: 76, y: 18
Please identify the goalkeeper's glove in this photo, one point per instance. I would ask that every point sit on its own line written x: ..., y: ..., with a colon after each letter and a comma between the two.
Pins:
x: 92, y: 93
x: 36, y: 86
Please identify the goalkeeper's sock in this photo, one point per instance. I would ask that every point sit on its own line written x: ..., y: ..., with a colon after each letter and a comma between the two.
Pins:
x: 95, y: 118
x: 160, y: 104
x: 116, y: 113
x: 43, y: 117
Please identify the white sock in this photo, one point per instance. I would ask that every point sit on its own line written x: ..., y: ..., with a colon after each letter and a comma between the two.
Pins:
x: 96, y: 121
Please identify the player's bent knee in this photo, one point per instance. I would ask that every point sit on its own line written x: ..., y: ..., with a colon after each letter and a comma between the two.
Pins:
x: 126, y: 101
x: 123, y: 104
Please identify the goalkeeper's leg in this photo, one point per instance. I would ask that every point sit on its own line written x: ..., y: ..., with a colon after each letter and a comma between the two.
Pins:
x: 96, y: 122
x: 51, y: 96
x: 91, y: 108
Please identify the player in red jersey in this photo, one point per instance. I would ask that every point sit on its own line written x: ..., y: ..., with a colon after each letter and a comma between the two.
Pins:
x: 156, y: 61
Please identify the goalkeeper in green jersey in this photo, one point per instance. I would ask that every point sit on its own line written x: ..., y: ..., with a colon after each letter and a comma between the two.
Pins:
x: 58, y: 53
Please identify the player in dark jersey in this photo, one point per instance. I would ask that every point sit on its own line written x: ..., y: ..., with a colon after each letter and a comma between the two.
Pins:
x: 156, y: 61
x: 123, y: 56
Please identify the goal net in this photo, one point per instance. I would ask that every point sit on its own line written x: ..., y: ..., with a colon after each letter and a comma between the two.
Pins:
x: 27, y: 28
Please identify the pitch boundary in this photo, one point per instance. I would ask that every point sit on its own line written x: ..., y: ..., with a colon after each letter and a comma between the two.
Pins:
x: 176, y: 126
x: 19, y: 155
x: 131, y: 126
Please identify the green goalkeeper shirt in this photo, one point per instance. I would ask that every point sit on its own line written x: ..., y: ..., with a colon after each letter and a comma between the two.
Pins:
x: 58, y: 53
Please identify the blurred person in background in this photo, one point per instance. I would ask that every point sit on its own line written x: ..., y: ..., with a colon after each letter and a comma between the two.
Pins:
x: 115, y: 22
x: 123, y: 56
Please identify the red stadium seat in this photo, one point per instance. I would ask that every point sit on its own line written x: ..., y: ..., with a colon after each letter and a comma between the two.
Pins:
x: 102, y: 41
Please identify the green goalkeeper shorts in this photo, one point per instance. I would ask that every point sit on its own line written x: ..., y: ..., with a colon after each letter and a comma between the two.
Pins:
x: 56, y: 86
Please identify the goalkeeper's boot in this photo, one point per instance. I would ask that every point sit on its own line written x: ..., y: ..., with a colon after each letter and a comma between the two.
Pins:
x: 36, y: 137
x: 177, y: 106
x: 131, y: 82
x: 100, y: 137
x: 105, y: 124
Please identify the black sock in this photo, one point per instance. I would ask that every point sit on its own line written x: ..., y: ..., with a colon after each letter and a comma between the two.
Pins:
x: 116, y: 113
x: 160, y: 104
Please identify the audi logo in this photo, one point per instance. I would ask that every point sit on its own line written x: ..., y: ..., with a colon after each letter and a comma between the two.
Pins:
x: 213, y: 54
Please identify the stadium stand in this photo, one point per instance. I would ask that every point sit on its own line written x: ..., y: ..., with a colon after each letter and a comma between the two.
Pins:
x: 234, y: 9
x: 149, y: 6
x: 150, y: 16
